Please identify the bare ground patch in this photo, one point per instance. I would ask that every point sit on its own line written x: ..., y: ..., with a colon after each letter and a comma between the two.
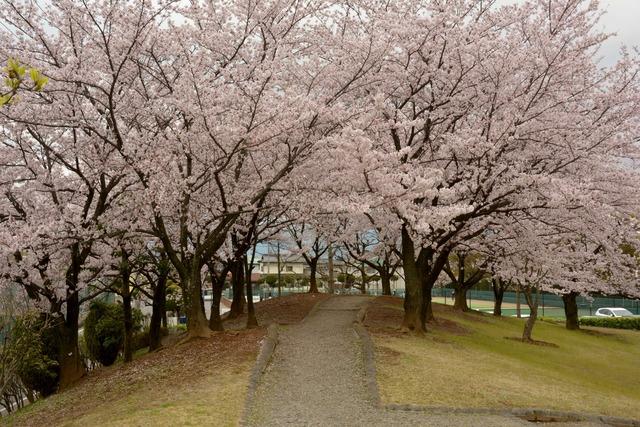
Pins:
x: 286, y: 310
x: 384, y: 316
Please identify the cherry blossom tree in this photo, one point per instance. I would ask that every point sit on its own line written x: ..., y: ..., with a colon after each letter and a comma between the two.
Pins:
x: 62, y: 147
x: 478, y: 109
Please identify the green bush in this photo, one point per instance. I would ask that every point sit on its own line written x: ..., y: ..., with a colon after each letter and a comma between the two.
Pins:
x: 140, y: 340
x: 270, y: 279
x: 104, y: 331
x: 34, y: 349
x: 612, y: 322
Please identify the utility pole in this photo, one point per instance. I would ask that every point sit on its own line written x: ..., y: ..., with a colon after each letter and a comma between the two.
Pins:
x: 279, y: 281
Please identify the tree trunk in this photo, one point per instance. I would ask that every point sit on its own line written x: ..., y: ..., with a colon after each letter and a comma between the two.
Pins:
x: 217, y: 284
x: 128, y: 324
x: 363, y: 279
x: 498, y: 295
x: 331, y: 279
x: 414, y: 319
x: 237, y: 284
x: 252, y: 321
x: 158, y: 313
x: 197, y: 325
x: 460, y: 298
x: 429, y: 275
x: 532, y: 302
x: 427, y: 307
x: 313, y: 284
x: 386, y: 283
x: 571, y: 311
x: 518, y: 310
x: 69, y: 360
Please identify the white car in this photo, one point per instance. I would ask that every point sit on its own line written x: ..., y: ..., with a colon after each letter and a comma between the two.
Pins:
x: 613, y: 312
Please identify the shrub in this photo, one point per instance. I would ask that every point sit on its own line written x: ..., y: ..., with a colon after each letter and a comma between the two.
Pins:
x: 104, y: 332
x: 34, y: 350
x: 612, y: 322
x: 271, y: 280
x: 140, y: 340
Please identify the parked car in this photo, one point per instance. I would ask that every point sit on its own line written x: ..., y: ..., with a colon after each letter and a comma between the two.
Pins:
x: 613, y: 312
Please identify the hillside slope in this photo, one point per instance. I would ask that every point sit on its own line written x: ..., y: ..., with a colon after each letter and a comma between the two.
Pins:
x: 465, y: 361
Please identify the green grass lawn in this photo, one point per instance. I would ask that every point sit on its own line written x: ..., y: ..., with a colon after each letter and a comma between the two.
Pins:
x: 471, y: 364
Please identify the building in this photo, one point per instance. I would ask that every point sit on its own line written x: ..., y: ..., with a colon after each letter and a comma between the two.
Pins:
x: 294, y: 264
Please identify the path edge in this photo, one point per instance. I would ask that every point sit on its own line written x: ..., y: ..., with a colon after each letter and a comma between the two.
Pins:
x: 528, y: 414
x: 368, y: 350
x: 267, y: 348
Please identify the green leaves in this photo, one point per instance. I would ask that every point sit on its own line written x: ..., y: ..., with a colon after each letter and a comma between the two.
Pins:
x: 612, y: 322
x: 39, y: 81
x: 15, y: 79
x: 4, y: 99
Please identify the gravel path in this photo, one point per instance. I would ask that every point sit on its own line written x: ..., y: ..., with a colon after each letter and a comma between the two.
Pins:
x: 317, y: 378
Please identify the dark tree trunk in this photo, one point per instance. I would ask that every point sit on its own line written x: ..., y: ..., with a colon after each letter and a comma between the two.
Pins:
x: 125, y: 292
x: 237, y: 284
x: 363, y: 279
x: 429, y: 273
x: 498, y: 287
x: 69, y: 360
x: 386, y: 283
x: 158, y: 313
x: 217, y: 284
x: 571, y: 311
x: 197, y: 325
x: 460, y: 298
x: 427, y: 307
x: 215, y: 320
x: 414, y: 316
x: 128, y: 325
x: 313, y: 283
x: 532, y: 302
x: 252, y: 321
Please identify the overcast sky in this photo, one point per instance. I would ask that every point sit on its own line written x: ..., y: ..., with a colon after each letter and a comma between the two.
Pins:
x: 622, y: 17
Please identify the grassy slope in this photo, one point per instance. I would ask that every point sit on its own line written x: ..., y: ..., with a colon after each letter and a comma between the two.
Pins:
x: 467, y: 362
x: 202, y: 382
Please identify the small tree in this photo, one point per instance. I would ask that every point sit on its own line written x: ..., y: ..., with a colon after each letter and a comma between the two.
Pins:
x: 271, y: 280
x: 104, y: 331
x: 33, y: 347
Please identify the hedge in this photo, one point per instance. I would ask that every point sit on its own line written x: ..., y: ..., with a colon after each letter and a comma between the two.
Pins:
x: 612, y: 322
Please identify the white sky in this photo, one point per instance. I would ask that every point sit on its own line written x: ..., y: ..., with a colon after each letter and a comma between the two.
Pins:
x: 623, y: 18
